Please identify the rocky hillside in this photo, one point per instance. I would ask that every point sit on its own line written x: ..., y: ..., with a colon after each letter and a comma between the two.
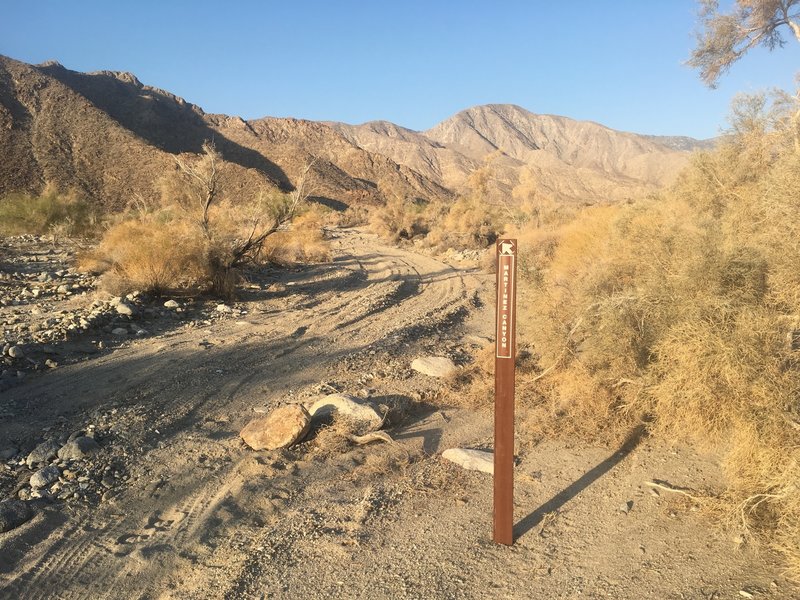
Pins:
x: 110, y: 137
x: 575, y: 160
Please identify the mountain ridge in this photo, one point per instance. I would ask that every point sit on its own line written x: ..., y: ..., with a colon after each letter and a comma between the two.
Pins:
x: 108, y: 135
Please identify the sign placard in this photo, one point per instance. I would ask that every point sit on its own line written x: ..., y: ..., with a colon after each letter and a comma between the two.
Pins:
x: 506, y: 291
x: 504, y: 372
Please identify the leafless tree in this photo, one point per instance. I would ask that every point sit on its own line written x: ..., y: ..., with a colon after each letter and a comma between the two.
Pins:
x: 247, y: 250
x: 725, y: 37
x: 201, y: 192
x: 203, y: 176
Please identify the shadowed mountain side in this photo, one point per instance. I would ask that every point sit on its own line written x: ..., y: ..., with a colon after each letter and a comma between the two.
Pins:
x: 162, y: 119
x: 112, y: 139
x: 345, y: 171
x: 51, y: 133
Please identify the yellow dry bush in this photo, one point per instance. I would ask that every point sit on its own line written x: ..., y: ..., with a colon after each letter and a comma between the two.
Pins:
x: 50, y: 212
x: 469, y: 222
x: 399, y: 219
x: 682, y: 311
x: 304, y: 242
x: 150, y: 256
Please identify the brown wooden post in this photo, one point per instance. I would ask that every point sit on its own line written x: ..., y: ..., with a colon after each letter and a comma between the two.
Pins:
x: 504, y: 363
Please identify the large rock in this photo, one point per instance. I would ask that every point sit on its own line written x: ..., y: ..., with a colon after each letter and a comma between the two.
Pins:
x: 45, y: 476
x: 435, y: 366
x: 281, y: 428
x: 125, y: 309
x: 349, y: 406
x: 78, y: 448
x: 43, y: 453
x: 13, y: 513
x: 474, y: 460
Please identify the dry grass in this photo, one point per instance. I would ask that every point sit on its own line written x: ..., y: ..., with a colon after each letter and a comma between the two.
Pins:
x: 304, y: 242
x: 59, y: 214
x: 150, y: 256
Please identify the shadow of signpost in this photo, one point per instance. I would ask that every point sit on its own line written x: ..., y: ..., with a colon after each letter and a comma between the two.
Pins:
x: 588, y: 478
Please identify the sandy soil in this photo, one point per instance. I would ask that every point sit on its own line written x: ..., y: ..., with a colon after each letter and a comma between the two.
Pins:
x: 196, y: 514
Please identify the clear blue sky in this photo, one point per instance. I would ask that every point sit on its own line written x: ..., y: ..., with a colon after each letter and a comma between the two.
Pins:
x: 618, y: 62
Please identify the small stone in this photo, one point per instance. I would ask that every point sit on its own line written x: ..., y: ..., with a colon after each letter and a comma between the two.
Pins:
x: 281, y: 428
x: 16, y: 352
x: 13, y: 513
x: 50, y: 363
x: 78, y: 449
x: 171, y: 304
x: 473, y: 460
x: 345, y: 405
x: 626, y: 508
x: 45, y: 476
x: 434, y: 366
x: 224, y: 308
x: 43, y: 453
x: 119, y: 331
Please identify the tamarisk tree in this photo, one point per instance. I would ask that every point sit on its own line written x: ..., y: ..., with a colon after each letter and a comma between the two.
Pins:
x: 727, y: 36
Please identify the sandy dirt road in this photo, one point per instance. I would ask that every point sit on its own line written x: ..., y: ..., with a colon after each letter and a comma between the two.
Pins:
x: 201, y: 516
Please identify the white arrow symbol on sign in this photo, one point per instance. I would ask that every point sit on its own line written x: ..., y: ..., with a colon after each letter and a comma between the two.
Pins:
x: 506, y: 247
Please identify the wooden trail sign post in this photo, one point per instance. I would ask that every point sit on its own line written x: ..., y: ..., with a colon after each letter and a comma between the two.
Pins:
x: 504, y: 369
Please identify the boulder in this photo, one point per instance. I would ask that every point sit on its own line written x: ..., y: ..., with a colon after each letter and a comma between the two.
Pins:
x: 345, y: 405
x: 434, y: 366
x: 43, y: 452
x: 473, y: 460
x: 78, y: 448
x: 13, y: 513
x: 282, y: 427
x: 45, y: 476
x: 125, y: 309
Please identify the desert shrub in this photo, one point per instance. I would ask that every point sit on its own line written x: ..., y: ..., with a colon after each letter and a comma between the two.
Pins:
x: 684, y: 311
x: 399, y: 219
x: 303, y: 242
x: 199, y: 239
x: 352, y: 216
x: 50, y: 212
x: 152, y: 255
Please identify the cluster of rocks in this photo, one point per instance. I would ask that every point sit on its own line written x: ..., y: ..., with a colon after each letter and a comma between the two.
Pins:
x: 48, y: 315
x: 71, y: 469
x: 289, y: 424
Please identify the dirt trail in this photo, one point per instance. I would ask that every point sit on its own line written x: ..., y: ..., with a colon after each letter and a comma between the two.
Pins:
x: 201, y: 516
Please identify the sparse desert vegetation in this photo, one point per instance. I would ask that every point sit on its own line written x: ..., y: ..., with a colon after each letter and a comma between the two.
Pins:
x: 198, y: 237
x: 253, y: 357
x: 682, y: 310
x: 50, y: 212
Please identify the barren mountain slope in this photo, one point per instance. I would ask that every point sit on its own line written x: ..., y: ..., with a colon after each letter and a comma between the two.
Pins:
x: 571, y: 160
x: 109, y: 136
x: 346, y: 171
x: 411, y: 148
x: 525, y: 136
